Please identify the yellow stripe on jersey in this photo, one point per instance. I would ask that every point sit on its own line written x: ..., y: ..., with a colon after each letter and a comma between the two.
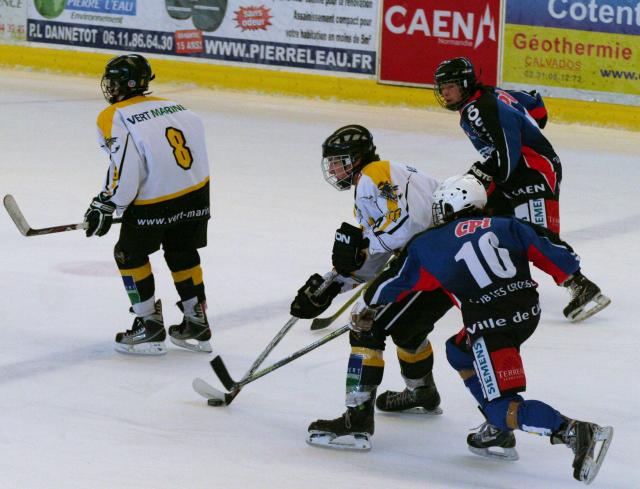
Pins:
x: 380, y: 173
x: 195, y: 274
x: 105, y: 118
x: 370, y: 358
x: 414, y: 357
x: 139, y: 273
x: 174, y: 195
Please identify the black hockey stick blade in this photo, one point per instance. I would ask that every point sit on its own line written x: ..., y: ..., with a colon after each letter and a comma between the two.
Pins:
x: 321, y: 323
x: 221, y: 371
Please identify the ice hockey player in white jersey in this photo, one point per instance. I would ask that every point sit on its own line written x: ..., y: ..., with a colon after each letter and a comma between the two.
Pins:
x: 158, y: 180
x: 392, y: 204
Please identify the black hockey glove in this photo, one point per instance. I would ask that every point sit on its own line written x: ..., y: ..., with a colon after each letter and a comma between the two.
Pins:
x: 349, y: 249
x: 99, y: 215
x: 483, y: 172
x: 306, y: 305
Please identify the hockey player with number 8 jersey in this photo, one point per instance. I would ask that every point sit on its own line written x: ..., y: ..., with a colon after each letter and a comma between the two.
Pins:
x: 158, y: 179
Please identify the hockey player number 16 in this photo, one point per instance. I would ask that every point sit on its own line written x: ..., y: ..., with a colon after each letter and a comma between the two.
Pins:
x: 181, y: 151
x: 496, y: 258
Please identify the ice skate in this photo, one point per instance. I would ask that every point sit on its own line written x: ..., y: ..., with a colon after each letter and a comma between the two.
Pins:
x: 423, y: 400
x: 583, y: 438
x: 351, y: 431
x: 491, y: 442
x: 193, y: 333
x: 146, y: 336
x: 586, y: 299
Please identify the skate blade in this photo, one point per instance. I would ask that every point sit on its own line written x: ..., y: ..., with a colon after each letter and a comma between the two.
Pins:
x: 416, y: 410
x: 595, y: 305
x: 496, y: 453
x: 356, y: 442
x: 200, y: 346
x: 591, y: 465
x: 149, y: 348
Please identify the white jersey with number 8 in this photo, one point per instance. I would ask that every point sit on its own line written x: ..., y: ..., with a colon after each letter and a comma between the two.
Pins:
x: 157, y: 152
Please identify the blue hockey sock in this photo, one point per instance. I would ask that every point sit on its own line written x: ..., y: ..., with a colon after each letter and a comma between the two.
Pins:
x: 538, y: 417
x: 473, y: 384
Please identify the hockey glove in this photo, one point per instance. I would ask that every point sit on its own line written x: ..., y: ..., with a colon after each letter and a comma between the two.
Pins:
x: 483, y: 173
x: 307, y: 305
x: 362, y: 317
x: 349, y: 249
x: 99, y: 215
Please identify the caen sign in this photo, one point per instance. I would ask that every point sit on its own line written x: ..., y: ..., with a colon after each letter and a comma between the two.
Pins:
x: 416, y: 36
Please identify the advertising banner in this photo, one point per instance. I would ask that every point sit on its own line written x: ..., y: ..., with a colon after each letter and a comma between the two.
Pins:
x: 13, y: 20
x: 327, y: 35
x: 416, y: 36
x: 587, y: 49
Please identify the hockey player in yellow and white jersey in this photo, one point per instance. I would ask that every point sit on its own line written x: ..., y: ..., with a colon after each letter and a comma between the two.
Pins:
x: 393, y: 202
x: 158, y: 180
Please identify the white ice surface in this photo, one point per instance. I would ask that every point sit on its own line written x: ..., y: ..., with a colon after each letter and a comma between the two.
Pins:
x: 76, y: 414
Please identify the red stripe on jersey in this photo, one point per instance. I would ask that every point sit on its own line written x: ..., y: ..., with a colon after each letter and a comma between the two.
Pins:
x: 537, y: 162
x: 425, y: 282
x: 535, y: 256
x: 538, y: 112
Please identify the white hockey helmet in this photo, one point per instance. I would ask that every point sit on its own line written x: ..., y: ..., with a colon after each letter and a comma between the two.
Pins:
x: 456, y: 196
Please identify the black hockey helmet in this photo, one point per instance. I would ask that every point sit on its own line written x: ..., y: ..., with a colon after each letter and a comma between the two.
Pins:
x: 126, y: 76
x: 345, y: 152
x: 459, y: 71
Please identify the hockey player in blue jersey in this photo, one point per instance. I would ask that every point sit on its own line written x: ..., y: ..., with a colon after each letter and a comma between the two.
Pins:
x: 521, y: 171
x: 483, y: 264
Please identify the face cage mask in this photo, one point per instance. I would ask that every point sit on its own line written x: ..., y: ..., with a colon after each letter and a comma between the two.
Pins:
x: 437, y: 213
x: 464, y: 93
x: 109, y: 89
x: 338, y: 164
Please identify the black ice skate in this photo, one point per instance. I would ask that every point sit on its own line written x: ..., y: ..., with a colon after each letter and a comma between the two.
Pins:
x: 146, y: 336
x: 193, y: 333
x: 586, y: 298
x: 424, y: 400
x: 492, y: 442
x: 582, y: 438
x: 351, y: 431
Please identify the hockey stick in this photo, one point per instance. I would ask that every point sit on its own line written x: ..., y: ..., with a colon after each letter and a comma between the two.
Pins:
x: 203, y: 390
x: 321, y: 323
x: 217, y: 398
x: 21, y: 223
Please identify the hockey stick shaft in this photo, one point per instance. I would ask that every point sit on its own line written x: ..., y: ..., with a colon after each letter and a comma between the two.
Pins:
x: 274, y: 342
x: 21, y: 223
x: 218, y: 365
x: 321, y: 323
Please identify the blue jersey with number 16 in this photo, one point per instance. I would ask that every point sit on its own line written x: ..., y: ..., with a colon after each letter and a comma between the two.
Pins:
x: 483, y: 263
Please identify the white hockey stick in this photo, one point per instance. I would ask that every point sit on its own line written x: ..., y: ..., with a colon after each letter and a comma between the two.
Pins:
x: 218, y: 398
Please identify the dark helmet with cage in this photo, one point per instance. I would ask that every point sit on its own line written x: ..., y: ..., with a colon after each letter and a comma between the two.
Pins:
x: 460, y: 72
x: 456, y: 197
x: 126, y: 76
x: 345, y: 152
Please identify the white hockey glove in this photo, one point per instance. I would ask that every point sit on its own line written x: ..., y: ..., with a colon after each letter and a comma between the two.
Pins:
x: 363, y: 316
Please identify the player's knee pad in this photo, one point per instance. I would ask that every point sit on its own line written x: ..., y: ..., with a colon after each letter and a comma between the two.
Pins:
x: 457, y: 357
x: 503, y: 412
x: 182, y: 260
x: 126, y: 259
